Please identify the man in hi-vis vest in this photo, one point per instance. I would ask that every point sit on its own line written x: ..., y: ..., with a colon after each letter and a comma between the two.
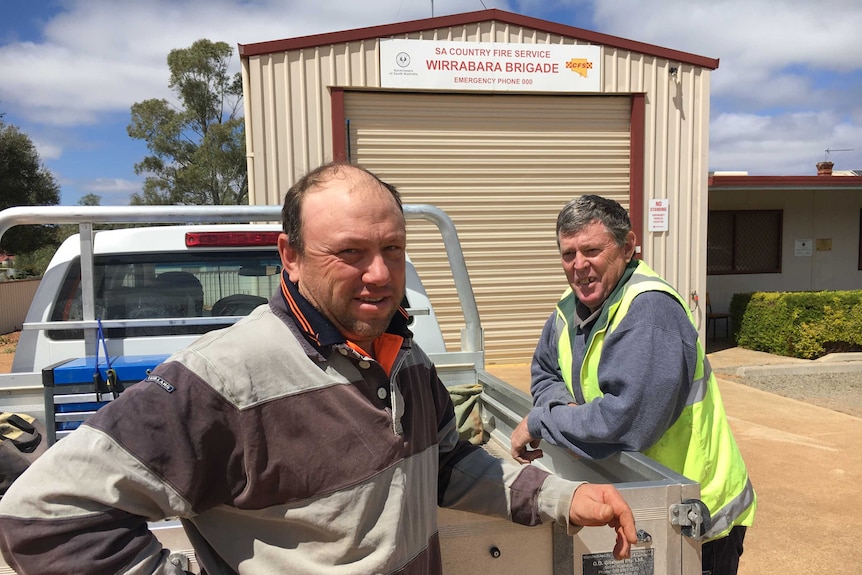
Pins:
x: 619, y: 368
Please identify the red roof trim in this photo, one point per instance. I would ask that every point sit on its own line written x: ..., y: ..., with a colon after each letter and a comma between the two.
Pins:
x: 339, y: 129
x: 402, y: 28
x: 637, y: 153
x: 783, y: 182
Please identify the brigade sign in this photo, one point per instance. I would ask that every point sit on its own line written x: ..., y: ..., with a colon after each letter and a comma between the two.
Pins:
x: 436, y: 65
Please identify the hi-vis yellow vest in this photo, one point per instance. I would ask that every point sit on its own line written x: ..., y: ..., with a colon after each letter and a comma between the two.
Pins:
x: 699, y: 445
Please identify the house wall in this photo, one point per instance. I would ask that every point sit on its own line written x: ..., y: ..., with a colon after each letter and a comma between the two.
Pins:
x: 807, y: 215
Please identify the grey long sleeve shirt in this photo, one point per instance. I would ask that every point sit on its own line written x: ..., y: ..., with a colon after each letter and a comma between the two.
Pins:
x: 645, y: 372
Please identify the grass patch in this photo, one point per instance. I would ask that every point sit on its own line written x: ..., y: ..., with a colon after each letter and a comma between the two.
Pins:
x: 7, y: 344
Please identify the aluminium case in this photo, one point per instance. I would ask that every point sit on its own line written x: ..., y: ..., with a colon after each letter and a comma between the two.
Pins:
x: 477, y: 544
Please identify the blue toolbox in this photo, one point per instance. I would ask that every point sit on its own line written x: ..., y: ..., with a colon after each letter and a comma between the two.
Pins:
x: 76, y: 388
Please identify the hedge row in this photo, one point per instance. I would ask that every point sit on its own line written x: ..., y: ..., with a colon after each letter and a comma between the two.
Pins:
x: 807, y: 325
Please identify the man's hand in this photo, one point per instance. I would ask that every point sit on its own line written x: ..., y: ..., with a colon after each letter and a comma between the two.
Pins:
x: 596, y: 504
x: 520, y: 439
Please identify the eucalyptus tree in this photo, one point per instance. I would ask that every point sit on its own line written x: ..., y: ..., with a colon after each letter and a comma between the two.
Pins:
x: 197, y: 142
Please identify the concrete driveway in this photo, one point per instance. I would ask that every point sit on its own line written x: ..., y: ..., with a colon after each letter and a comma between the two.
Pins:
x: 806, y: 467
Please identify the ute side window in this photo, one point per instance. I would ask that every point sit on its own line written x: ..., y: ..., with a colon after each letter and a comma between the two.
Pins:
x: 170, y: 285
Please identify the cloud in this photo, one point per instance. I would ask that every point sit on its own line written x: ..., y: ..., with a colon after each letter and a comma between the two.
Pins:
x: 47, y: 151
x: 97, y: 57
x: 112, y: 191
x: 110, y: 186
x: 789, y: 144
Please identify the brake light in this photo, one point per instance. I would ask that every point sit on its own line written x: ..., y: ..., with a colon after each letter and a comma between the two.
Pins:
x: 230, y: 239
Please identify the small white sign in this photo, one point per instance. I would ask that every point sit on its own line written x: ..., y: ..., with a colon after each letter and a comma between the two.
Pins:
x: 446, y: 65
x: 659, y: 212
x: 804, y: 247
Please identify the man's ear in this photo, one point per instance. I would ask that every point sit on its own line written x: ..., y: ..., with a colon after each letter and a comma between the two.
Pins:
x: 629, y: 247
x: 289, y: 257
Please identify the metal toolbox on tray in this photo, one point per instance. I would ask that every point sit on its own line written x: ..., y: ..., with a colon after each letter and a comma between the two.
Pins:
x: 664, y: 504
x: 76, y: 388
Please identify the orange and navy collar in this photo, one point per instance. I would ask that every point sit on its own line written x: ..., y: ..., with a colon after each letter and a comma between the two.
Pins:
x: 319, y: 330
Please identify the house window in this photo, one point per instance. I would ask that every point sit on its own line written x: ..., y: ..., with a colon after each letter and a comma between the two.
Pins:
x: 744, y: 242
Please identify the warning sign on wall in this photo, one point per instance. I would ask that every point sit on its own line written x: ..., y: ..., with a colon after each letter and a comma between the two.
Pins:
x: 659, y: 212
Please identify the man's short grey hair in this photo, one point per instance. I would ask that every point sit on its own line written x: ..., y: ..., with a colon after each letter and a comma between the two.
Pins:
x: 584, y: 210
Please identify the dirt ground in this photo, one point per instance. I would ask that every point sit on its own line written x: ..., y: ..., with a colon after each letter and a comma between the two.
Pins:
x: 7, y: 350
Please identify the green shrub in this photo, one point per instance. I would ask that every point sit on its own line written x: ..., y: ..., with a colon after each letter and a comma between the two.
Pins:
x: 798, y: 324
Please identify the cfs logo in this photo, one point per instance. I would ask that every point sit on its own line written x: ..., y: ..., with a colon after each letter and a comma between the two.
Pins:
x: 579, y: 66
x: 402, y: 59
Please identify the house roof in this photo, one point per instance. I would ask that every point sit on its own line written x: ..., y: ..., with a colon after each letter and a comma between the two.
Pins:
x: 718, y: 183
x: 401, y: 28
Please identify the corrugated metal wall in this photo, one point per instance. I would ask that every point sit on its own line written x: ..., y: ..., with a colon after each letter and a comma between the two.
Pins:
x: 289, y: 131
x: 15, y: 299
x: 501, y: 166
x: 676, y: 162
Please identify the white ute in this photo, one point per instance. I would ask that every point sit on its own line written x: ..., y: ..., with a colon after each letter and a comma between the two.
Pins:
x: 134, y: 295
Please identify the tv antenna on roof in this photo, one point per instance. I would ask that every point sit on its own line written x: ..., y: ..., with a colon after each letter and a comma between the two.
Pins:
x: 826, y: 158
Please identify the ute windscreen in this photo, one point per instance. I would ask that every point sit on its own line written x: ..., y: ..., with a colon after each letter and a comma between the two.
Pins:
x: 170, y: 285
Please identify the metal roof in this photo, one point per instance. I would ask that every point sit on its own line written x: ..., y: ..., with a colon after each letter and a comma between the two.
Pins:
x: 402, y: 28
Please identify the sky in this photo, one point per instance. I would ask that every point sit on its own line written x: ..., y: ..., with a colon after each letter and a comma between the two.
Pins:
x: 785, y: 96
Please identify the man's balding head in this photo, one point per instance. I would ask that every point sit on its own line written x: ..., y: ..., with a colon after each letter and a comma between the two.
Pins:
x: 291, y: 211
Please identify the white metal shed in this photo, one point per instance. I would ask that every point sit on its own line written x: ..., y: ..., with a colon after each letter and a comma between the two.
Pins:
x: 499, y: 119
